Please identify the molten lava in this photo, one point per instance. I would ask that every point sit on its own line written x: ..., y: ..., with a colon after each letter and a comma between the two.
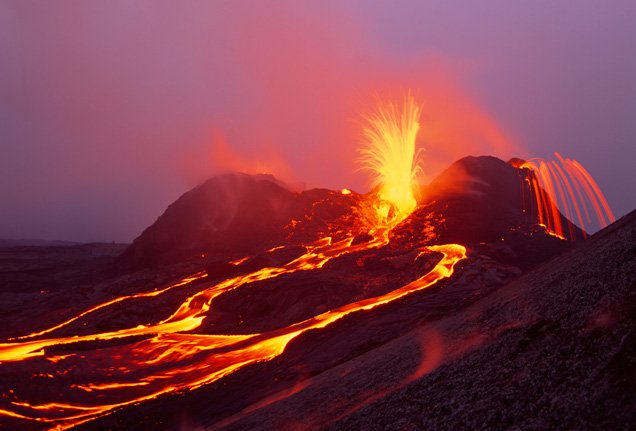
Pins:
x: 391, y: 156
x: 166, y: 356
x: 171, y: 360
x: 565, y: 185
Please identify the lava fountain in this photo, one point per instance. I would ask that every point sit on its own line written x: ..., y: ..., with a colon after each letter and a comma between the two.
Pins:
x: 391, y: 157
x: 564, y: 184
x: 165, y: 356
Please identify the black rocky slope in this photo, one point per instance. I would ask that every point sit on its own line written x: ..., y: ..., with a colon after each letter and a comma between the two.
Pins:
x: 559, y: 351
x: 554, y: 349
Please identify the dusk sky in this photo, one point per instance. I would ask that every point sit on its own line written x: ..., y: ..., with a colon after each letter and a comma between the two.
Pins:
x: 110, y: 110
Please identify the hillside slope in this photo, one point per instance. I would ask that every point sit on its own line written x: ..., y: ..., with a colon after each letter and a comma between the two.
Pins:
x: 554, y: 349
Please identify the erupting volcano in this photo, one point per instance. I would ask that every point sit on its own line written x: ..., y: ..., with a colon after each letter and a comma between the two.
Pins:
x: 391, y: 156
x: 289, y: 289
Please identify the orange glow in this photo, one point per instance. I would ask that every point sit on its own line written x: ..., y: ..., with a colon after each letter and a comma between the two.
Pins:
x: 171, y: 358
x: 391, y: 156
x: 224, y: 158
x: 100, y: 387
x: 183, y: 282
x: 565, y: 186
x: 237, y: 262
x: 455, y: 123
x: 432, y: 347
x: 175, y: 350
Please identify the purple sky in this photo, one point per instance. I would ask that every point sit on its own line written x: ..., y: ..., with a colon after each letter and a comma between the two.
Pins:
x: 110, y: 110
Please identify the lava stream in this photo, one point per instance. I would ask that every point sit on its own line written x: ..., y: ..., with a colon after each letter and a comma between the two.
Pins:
x: 172, y: 361
x: 167, y: 360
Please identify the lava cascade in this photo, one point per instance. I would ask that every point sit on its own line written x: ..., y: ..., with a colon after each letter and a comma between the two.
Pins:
x: 564, y: 184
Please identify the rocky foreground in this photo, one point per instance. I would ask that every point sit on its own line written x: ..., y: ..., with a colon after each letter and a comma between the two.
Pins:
x: 554, y: 349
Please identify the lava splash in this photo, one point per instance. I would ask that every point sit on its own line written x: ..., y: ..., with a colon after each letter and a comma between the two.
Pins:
x: 391, y: 156
x: 564, y: 184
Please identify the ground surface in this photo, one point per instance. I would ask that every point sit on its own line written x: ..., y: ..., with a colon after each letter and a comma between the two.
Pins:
x: 555, y: 349
x: 503, y: 343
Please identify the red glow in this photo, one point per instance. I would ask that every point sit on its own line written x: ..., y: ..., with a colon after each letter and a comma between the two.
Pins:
x: 564, y: 185
x: 175, y: 350
x: 171, y: 359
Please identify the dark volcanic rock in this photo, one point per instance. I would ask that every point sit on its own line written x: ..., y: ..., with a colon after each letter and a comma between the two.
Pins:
x: 483, y: 199
x: 476, y: 354
x: 291, y: 298
x: 39, y: 283
x: 485, y: 203
x: 229, y: 213
x: 560, y: 352
x: 554, y: 349
x: 478, y: 201
x: 237, y: 215
x: 278, y: 256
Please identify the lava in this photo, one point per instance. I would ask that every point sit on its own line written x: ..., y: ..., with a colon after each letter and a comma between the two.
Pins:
x: 182, y: 282
x: 565, y: 185
x: 169, y: 357
x: 391, y: 156
x: 171, y: 360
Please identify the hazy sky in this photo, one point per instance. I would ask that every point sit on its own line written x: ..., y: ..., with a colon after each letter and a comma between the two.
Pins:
x: 109, y: 110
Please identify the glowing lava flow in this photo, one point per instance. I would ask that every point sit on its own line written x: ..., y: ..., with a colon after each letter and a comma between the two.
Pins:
x: 91, y: 383
x: 390, y: 154
x: 568, y: 186
x: 171, y: 361
x: 197, y: 276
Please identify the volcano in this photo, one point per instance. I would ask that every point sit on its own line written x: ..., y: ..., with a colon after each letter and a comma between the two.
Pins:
x: 250, y: 305
x: 237, y: 214
x: 476, y: 200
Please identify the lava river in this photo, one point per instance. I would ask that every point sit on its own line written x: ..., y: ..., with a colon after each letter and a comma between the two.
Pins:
x: 169, y: 358
x: 149, y: 360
